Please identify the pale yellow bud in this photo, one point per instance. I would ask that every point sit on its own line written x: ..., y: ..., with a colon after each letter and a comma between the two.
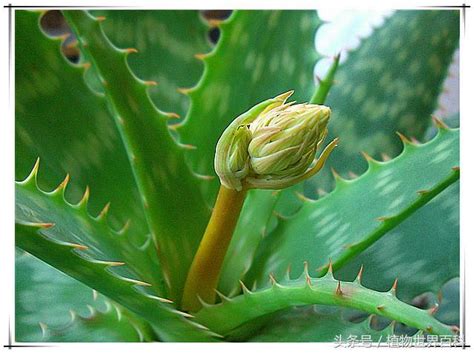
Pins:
x: 273, y: 147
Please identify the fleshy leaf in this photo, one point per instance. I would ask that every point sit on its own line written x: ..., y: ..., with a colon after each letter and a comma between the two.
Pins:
x: 449, y: 306
x: 70, y: 128
x: 231, y: 313
x: 53, y: 307
x: 260, y: 54
x: 308, y: 324
x: 45, y: 297
x: 423, y: 250
x: 391, y: 82
x: 172, y: 324
x: 174, y: 206
x: 74, y: 224
x: 165, y: 40
x: 360, y: 211
x: 111, y: 325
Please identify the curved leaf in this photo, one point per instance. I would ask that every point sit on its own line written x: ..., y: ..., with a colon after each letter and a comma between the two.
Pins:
x: 360, y: 211
x: 172, y: 325
x: 59, y: 119
x: 391, y: 82
x: 75, y: 225
x: 53, y: 307
x: 45, y: 296
x: 111, y: 325
x: 170, y: 192
x: 423, y: 251
x: 234, y: 312
x: 167, y: 42
x: 308, y: 324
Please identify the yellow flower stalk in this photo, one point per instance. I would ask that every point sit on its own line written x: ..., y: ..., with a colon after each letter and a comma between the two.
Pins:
x: 271, y: 146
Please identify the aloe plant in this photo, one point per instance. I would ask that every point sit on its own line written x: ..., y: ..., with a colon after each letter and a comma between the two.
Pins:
x: 116, y: 181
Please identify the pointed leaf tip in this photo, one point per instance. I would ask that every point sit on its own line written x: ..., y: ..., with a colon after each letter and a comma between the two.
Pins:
x: 85, y: 198
x: 385, y: 157
x: 404, y: 139
x: 272, y: 279
x: 339, y: 289
x: 439, y: 123
x: 185, y: 91
x: 34, y: 172
x: 104, y: 211
x: 45, y: 225
x: 63, y: 184
x: 245, y: 290
x: 130, y: 50
x: 172, y: 115
x: 383, y: 218
x: 150, y: 83
x: 393, y: 290
x: 44, y: 328
x: 359, y: 274
x: 367, y: 157
x: 200, y: 56
x: 434, y: 309
x: 221, y: 296
x: 335, y: 174
x: 302, y: 197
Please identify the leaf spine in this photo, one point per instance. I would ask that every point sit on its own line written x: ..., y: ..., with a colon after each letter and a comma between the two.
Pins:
x: 302, y: 197
x: 33, y: 174
x: 434, y: 309
x: 404, y: 139
x: 385, y: 157
x: 359, y: 275
x: 439, y: 123
x: 221, y: 296
x: 62, y: 185
x: 103, y: 213
x: 130, y: 51
x: 150, y: 83
x: 85, y: 198
x: 339, y: 289
x: 245, y: 290
x: 393, y: 290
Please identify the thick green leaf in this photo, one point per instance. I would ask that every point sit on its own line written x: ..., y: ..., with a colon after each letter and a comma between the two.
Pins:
x: 391, y: 82
x: 260, y: 54
x: 171, y: 324
x: 174, y: 207
x: 360, y: 211
x: 234, y: 312
x: 449, y: 307
x: 167, y: 41
x: 308, y: 324
x: 51, y: 306
x: 111, y: 325
x: 75, y: 225
x: 423, y: 252
x: 60, y: 120
x: 433, y: 231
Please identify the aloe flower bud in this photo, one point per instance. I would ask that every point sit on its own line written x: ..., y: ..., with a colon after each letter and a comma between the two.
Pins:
x: 273, y: 145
